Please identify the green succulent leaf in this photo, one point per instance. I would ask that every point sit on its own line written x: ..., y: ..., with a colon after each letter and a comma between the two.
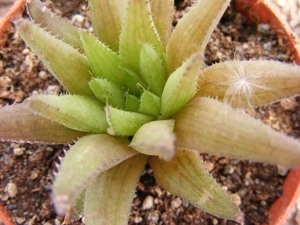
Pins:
x: 149, y: 104
x: 108, y: 23
x: 153, y: 72
x: 138, y: 28
x: 18, y: 123
x: 162, y: 12
x: 186, y: 177
x: 134, y: 83
x: 90, y: 156
x: 155, y: 138
x: 109, y: 92
x: 103, y: 61
x: 193, y: 31
x: 109, y: 197
x: 48, y: 50
x: 132, y: 103
x: 64, y: 30
x: 249, y: 83
x: 125, y: 123
x: 216, y: 128
x: 181, y: 86
x: 76, y: 112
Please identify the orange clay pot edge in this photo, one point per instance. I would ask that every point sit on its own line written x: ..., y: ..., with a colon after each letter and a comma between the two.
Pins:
x: 4, y: 218
x: 14, y: 12
x: 264, y: 11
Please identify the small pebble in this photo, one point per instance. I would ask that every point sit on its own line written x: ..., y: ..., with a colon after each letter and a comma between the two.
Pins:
x: 53, y: 89
x: 43, y: 75
x: 176, y: 203
x: 11, y: 189
x: 148, y: 202
x: 138, y: 219
x: 20, y: 220
x: 263, y: 28
x: 18, y: 151
x: 236, y: 199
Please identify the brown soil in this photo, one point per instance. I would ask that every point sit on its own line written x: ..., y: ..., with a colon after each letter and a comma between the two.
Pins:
x: 26, y: 169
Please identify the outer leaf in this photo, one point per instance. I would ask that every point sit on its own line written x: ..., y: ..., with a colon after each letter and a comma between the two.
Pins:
x: 153, y: 72
x: 107, y: 24
x: 138, y: 28
x: 125, y: 123
x: 104, y: 62
x: 194, y: 31
x: 108, y: 92
x: 109, y: 198
x: 155, y: 138
x: 162, y: 12
x: 90, y: 156
x: 181, y: 86
x: 215, y: 128
x: 247, y: 83
x: 18, y: 123
x: 149, y: 104
x: 52, y: 51
x: 186, y: 176
x: 76, y: 112
x: 64, y: 30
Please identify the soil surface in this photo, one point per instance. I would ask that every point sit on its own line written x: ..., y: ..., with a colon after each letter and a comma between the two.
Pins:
x: 26, y: 169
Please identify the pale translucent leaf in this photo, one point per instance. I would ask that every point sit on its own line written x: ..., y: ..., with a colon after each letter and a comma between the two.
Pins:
x: 103, y: 61
x: 153, y: 72
x: 149, y: 104
x: 181, y: 86
x: 249, y: 83
x: 107, y: 91
x: 193, y: 31
x: 62, y: 60
x: 57, y: 26
x: 212, y: 127
x: 90, y: 156
x: 155, y: 138
x: 76, y: 112
x: 185, y: 176
x: 162, y: 13
x: 18, y: 123
x: 109, y: 198
x: 138, y: 28
x: 125, y: 123
x: 107, y: 24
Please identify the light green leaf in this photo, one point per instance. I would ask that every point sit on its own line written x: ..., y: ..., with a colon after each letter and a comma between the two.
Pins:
x: 162, y: 14
x: 90, y: 156
x: 249, y: 83
x: 18, y: 123
x: 181, y: 86
x: 149, y: 104
x: 107, y: 24
x: 132, y: 103
x: 108, y: 92
x: 153, y: 72
x: 186, y: 176
x: 138, y: 28
x: 54, y: 24
x: 104, y: 62
x: 155, y: 138
x: 193, y: 31
x: 76, y: 112
x: 134, y: 83
x: 55, y: 53
x: 109, y: 198
x: 212, y: 127
x: 125, y: 123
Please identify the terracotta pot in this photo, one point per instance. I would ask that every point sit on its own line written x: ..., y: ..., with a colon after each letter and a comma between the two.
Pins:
x: 4, y: 218
x: 14, y: 12
x: 264, y: 11
x: 257, y: 11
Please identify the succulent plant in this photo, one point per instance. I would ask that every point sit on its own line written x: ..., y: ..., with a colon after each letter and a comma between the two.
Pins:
x: 139, y: 92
